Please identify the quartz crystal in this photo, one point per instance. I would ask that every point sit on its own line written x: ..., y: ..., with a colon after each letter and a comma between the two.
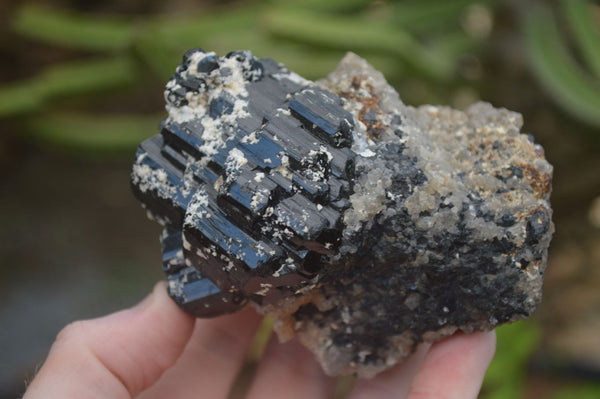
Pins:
x: 360, y: 224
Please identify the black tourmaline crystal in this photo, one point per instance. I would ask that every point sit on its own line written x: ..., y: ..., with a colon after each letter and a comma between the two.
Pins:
x: 361, y: 224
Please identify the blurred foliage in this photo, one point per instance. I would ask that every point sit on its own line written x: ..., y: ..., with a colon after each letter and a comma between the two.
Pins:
x: 508, y: 374
x: 506, y: 377
x: 573, y: 85
x: 93, y: 133
x: 76, y: 78
x: 422, y: 43
x: 73, y: 30
x: 587, y: 391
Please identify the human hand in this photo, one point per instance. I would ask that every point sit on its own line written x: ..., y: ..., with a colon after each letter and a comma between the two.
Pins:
x: 155, y: 350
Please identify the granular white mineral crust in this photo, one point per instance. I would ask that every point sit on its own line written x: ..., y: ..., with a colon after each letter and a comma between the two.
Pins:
x: 362, y: 225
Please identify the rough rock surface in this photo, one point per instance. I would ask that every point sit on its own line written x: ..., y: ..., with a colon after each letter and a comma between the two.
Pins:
x: 360, y: 224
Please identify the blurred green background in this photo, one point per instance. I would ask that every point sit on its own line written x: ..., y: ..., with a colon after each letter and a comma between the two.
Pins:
x: 81, y: 85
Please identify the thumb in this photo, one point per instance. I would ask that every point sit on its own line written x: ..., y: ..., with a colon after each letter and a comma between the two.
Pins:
x: 116, y: 356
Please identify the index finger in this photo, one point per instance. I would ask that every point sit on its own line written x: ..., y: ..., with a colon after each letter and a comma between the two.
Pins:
x: 115, y: 356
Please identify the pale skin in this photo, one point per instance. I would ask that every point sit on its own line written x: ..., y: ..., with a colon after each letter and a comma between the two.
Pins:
x: 154, y: 350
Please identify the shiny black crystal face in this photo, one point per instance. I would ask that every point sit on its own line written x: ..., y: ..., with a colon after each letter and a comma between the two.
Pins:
x: 250, y: 176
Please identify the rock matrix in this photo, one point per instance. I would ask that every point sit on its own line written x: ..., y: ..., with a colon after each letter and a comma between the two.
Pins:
x: 360, y: 224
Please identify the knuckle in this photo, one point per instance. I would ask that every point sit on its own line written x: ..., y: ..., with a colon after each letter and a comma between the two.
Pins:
x: 72, y: 332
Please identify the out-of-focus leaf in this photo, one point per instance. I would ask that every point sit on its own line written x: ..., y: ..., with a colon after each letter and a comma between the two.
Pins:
x: 316, y: 66
x: 553, y: 66
x: 73, y: 30
x: 454, y: 45
x: 424, y: 15
x: 516, y: 343
x: 93, y: 133
x: 158, y: 55
x: 191, y: 31
x: 164, y: 39
x: 307, y: 61
x: 85, y: 76
x: 65, y: 80
x: 354, y: 33
x: 161, y: 46
x: 587, y: 391
x: 586, y: 30
x: 18, y: 99
x: 327, y: 6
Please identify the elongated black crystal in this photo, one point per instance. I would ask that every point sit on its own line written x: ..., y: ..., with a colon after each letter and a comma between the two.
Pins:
x: 251, y: 189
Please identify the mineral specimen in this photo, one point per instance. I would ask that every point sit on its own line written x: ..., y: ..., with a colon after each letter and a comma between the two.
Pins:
x: 360, y: 224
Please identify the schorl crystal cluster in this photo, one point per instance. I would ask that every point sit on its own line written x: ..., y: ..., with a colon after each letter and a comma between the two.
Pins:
x: 360, y: 224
